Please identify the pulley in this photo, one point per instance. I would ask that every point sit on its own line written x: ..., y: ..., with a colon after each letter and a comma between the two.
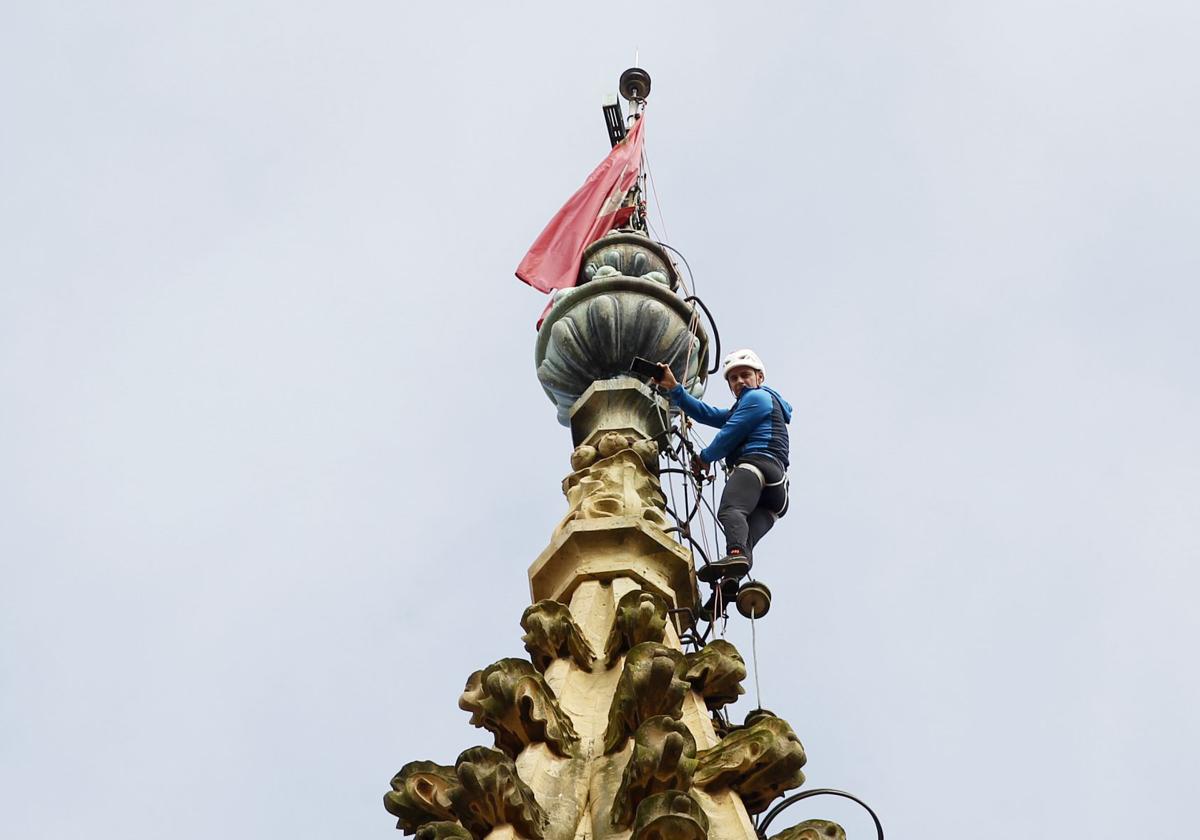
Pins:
x: 635, y: 84
x: 754, y: 599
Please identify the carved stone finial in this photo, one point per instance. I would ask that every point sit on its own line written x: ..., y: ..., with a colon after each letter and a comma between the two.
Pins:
x: 664, y: 758
x: 716, y: 673
x: 443, y: 830
x: 593, y: 330
x: 673, y: 815
x: 641, y: 617
x: 513, y: 702
x: 420, y: 794
x: 490, y: 793
x: 812, y: 830
x: 651, y: 683
x: 551, y: 633
x: 759, y: 762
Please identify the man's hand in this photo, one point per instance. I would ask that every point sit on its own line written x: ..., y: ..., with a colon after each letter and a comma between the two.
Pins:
x: 667, y: 380
x: 699, y: 467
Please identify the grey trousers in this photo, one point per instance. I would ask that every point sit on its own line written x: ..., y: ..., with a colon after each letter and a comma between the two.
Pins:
x: 756, y: 494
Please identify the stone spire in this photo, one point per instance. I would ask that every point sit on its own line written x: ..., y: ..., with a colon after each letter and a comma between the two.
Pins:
x: 606, y: 729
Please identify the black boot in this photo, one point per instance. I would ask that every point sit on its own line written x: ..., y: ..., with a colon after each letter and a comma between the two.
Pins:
x: 728, y: 588
x: 734, y: 566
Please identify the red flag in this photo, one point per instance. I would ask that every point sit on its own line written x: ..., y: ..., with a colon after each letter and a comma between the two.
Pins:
x: 595, y: 209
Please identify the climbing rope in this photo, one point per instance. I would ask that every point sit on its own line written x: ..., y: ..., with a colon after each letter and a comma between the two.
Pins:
x: 754, y: 656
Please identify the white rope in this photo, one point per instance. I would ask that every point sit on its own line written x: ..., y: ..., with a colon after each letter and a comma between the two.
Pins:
x: 654, y: 190
x: 754, y: 656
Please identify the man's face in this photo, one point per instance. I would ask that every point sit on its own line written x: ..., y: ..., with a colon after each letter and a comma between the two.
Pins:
x: 741, y: 378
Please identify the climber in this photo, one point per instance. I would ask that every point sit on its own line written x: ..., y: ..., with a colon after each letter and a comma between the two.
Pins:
x: 753, y: 442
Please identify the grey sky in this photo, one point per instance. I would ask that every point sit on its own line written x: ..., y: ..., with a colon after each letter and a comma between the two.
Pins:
x: 273, y: 458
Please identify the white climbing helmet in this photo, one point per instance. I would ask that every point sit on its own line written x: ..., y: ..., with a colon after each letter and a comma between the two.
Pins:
x: 742, y: 358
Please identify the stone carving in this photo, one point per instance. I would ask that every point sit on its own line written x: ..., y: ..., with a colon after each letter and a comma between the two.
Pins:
x: 759, y: 761
x: 490, y: 793
x: 812, y: 830
x: 630, y: 253
x: 593, y: 331
x: 641, y: 616
x: 513, y: 702
x: 611, y: 443
x: 420, y: 794
x: 583, y: 456
x: 619, y: 485
x: 647, y: 450
x: 551, y: 633
x: 443, y: 830
x: 716, y: 673
x: 651, y: 683
x: 673, y: 815
x: 664, y: 758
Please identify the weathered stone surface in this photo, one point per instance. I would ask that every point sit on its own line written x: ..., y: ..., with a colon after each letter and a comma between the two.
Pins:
x: 420, y: 794
x: 629, y: 547
x: 609, y: 444
x: 647, y: 450
x: 560, y: 786
x: 670, y: 816
x: 551, y: 633
x: 716, y: 672
x: 617, y: 485
x: 664, y: 758
x: 512, y: 701
x: 490, y: 794
x: 812, y: 830
x: 759, y: 762
x: 651, y: 683
x: 443, y: 830
x: 623, y: 404
x: 583, y: 456
x: 641, y: 617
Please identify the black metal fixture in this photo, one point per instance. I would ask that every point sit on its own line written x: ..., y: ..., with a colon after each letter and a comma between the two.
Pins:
x: 796, y: 797
x: 635, y: 84
x: 614, y: 120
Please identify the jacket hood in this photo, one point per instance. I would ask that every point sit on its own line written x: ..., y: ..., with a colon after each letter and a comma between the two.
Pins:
x: 787, y: 406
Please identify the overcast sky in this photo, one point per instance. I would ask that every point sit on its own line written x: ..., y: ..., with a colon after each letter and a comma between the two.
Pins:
x: 274, y: 460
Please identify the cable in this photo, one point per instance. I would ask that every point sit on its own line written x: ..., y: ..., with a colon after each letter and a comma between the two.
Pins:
x: 712, y: 323
x: 718, y: 622
x: 692, y: 276
x: 796, y: 797
x: 654, y: 191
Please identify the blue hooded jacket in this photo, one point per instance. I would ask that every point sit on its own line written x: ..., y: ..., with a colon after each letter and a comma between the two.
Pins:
x: 757, y: 423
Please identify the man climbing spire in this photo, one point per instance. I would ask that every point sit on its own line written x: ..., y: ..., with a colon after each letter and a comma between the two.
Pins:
x: 753, y: 442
